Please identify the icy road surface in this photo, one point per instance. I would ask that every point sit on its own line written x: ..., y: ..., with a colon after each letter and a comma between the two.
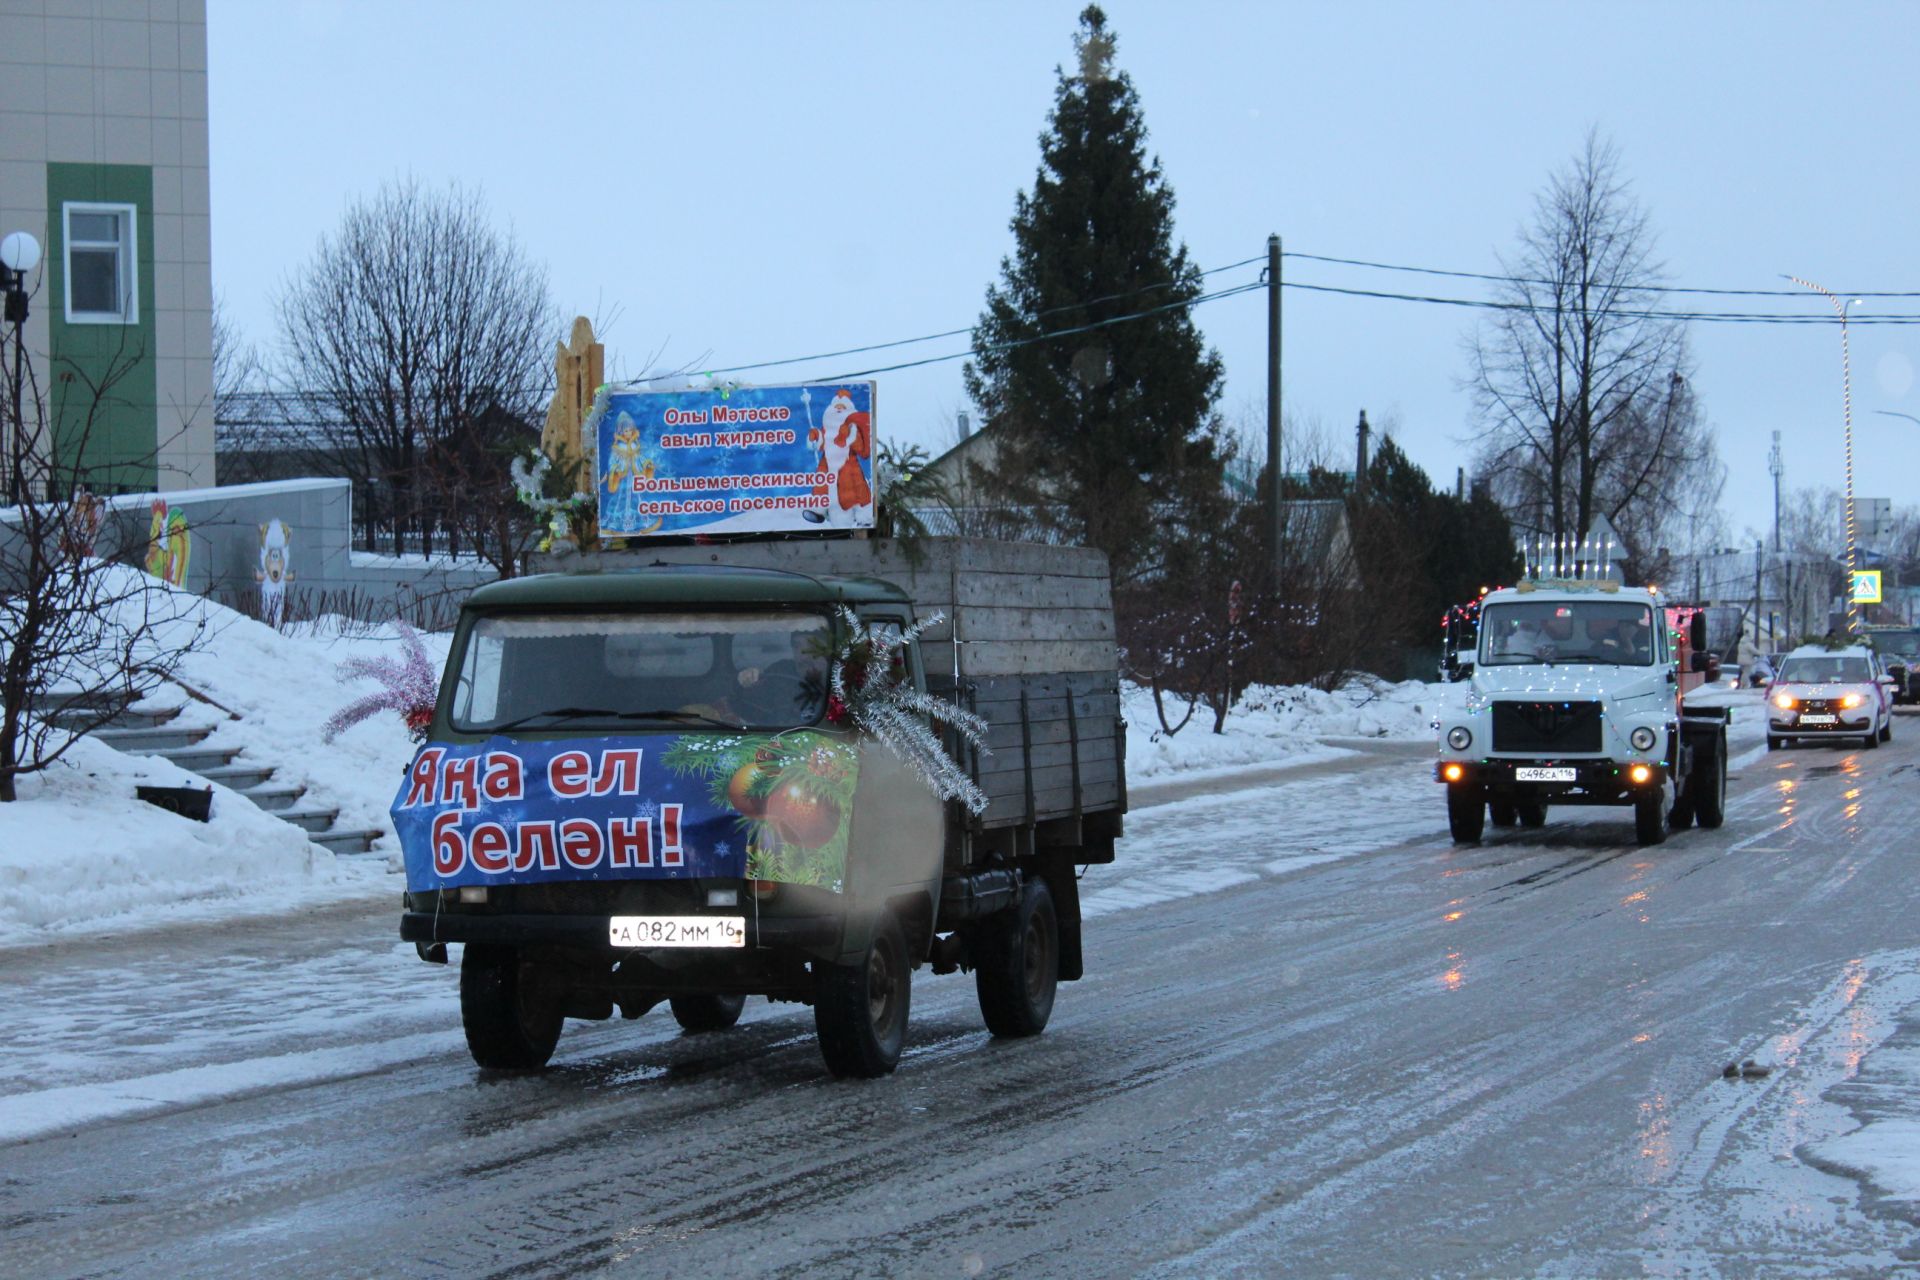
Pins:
x: 1315, y: 1038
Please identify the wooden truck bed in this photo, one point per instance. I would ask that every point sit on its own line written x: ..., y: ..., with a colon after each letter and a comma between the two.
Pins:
x: 1027, y: 640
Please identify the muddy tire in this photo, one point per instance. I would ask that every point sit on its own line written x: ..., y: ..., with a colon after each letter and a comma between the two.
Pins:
x: 1870, y: 741
x: 860, y: 1009
x: 1774, y: 744
x: 706, y: 1013
x: 1017, y: 964
x: 508, y: 1027
x: 1532, y: 813
x: 1502, y: 813
x: 1466, y: 814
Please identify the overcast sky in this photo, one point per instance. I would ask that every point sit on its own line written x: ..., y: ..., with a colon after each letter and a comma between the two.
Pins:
x: 739, y: 182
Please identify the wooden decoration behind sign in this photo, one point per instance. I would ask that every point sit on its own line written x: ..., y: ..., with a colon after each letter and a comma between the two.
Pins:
x: 579, y: 367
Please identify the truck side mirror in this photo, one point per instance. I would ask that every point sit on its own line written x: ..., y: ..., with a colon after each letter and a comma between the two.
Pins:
x: 1697, y: 632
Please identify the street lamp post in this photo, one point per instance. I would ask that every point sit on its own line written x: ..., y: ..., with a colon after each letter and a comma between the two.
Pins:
x: 1846, y: 409
x: 19, y: 254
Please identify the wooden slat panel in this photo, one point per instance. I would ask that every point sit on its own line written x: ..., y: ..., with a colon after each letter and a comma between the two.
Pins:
x: 1003, y: 736
x: 984, y: 623
x: 1093, y: 755
x: 1012, y: 811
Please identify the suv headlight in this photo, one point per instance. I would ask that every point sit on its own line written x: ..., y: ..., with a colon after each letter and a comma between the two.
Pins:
x: 1459, y: 737
x: 1643, y: 738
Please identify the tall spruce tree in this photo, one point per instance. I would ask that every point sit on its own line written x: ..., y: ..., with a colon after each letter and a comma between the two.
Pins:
x: 1106, y: 430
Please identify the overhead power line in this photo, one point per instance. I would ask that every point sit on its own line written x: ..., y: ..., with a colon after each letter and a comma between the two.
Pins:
x: 1630, y: 313
x: 1649, y: 288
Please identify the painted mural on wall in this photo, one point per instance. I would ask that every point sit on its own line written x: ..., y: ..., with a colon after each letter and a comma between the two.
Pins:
x: 275, y: 570
x: 168, y: 546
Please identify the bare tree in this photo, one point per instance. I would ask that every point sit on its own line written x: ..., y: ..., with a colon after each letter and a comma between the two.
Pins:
x: 1579, y: 381
x: 81, y: 635
x: 411, y: 323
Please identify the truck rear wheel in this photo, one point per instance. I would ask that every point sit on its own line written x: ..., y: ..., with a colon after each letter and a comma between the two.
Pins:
x: 860, y: 1009
x: 508, y: 1027
x: 707, y: 1013
x: 1017, y: 964
x: 1533, y: 813
x: 1466, y: 814
x: 1502, y: 813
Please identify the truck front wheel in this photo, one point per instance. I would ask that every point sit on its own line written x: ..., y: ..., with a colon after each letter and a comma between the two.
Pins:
x: 1466, y: 814
x: 1017, y: 964
x: 860, y: 1009
x: 1709, y: 785
x: 1650, y: 817
x: 509, y: 1028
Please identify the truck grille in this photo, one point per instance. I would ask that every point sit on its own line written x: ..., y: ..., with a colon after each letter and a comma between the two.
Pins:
x: 1554, y: 728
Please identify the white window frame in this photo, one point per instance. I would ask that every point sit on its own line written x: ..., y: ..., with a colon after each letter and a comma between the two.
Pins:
x: 129, y: 247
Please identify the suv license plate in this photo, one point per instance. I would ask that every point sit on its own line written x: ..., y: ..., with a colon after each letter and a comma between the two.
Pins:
x: 677, y: 931
x: 1527, y: 774
x: 1818, y: 719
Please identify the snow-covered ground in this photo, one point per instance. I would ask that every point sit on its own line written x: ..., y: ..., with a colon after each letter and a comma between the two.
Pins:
x: 79, y: 852
x: 1272, y: 725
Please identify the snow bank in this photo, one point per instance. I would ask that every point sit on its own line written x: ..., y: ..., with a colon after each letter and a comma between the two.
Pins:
x: 1272, y: 724
x: 79, y: 850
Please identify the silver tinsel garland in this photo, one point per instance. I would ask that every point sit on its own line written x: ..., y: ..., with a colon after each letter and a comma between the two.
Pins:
x: 888, y: 708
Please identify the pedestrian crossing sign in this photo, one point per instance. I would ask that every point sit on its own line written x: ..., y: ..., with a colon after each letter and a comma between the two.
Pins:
x: 1866, y: 586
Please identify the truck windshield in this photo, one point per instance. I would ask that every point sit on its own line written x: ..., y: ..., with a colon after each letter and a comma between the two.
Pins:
x: 1611, y: 631
x: 1824, y: 670
x: 612, y: 671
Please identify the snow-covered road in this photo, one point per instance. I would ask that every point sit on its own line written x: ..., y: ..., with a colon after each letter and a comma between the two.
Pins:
x: 1314, y: 1034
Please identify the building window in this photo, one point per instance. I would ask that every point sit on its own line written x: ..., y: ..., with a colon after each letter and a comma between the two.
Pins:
x: 103, y: 285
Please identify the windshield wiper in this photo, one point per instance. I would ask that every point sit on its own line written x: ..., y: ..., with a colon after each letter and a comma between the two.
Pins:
x: 561, y: 715
x: 685, y: 717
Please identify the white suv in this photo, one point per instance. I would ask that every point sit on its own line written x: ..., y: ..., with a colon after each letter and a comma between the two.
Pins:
x: 1821, y: 693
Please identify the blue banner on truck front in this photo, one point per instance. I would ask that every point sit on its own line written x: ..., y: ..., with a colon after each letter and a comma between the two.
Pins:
x: 734, y: 460
x: 765, y: 806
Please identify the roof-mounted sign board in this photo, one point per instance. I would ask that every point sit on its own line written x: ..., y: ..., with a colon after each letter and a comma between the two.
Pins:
x: 773, y: 459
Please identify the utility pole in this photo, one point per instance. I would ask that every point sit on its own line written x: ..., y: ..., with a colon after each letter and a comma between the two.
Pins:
x: 1774, y: 465
x: 1273, y: 399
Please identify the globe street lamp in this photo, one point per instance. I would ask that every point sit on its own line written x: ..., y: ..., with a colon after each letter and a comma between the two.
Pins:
x: 1846, y: 407
x: 19, y: 254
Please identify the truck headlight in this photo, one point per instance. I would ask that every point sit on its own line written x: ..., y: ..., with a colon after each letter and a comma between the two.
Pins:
x: 1643, y: 738
x: 1459, y: 737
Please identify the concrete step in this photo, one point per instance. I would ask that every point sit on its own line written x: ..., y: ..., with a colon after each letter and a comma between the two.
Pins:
x: 54, y: 700
x: 314, y: 820
x: 198, y: 759
x: 346, y: 841
x: 238, y: 776
x: 76, y: 717
x: 141, y: 742
x: 273, y: 797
